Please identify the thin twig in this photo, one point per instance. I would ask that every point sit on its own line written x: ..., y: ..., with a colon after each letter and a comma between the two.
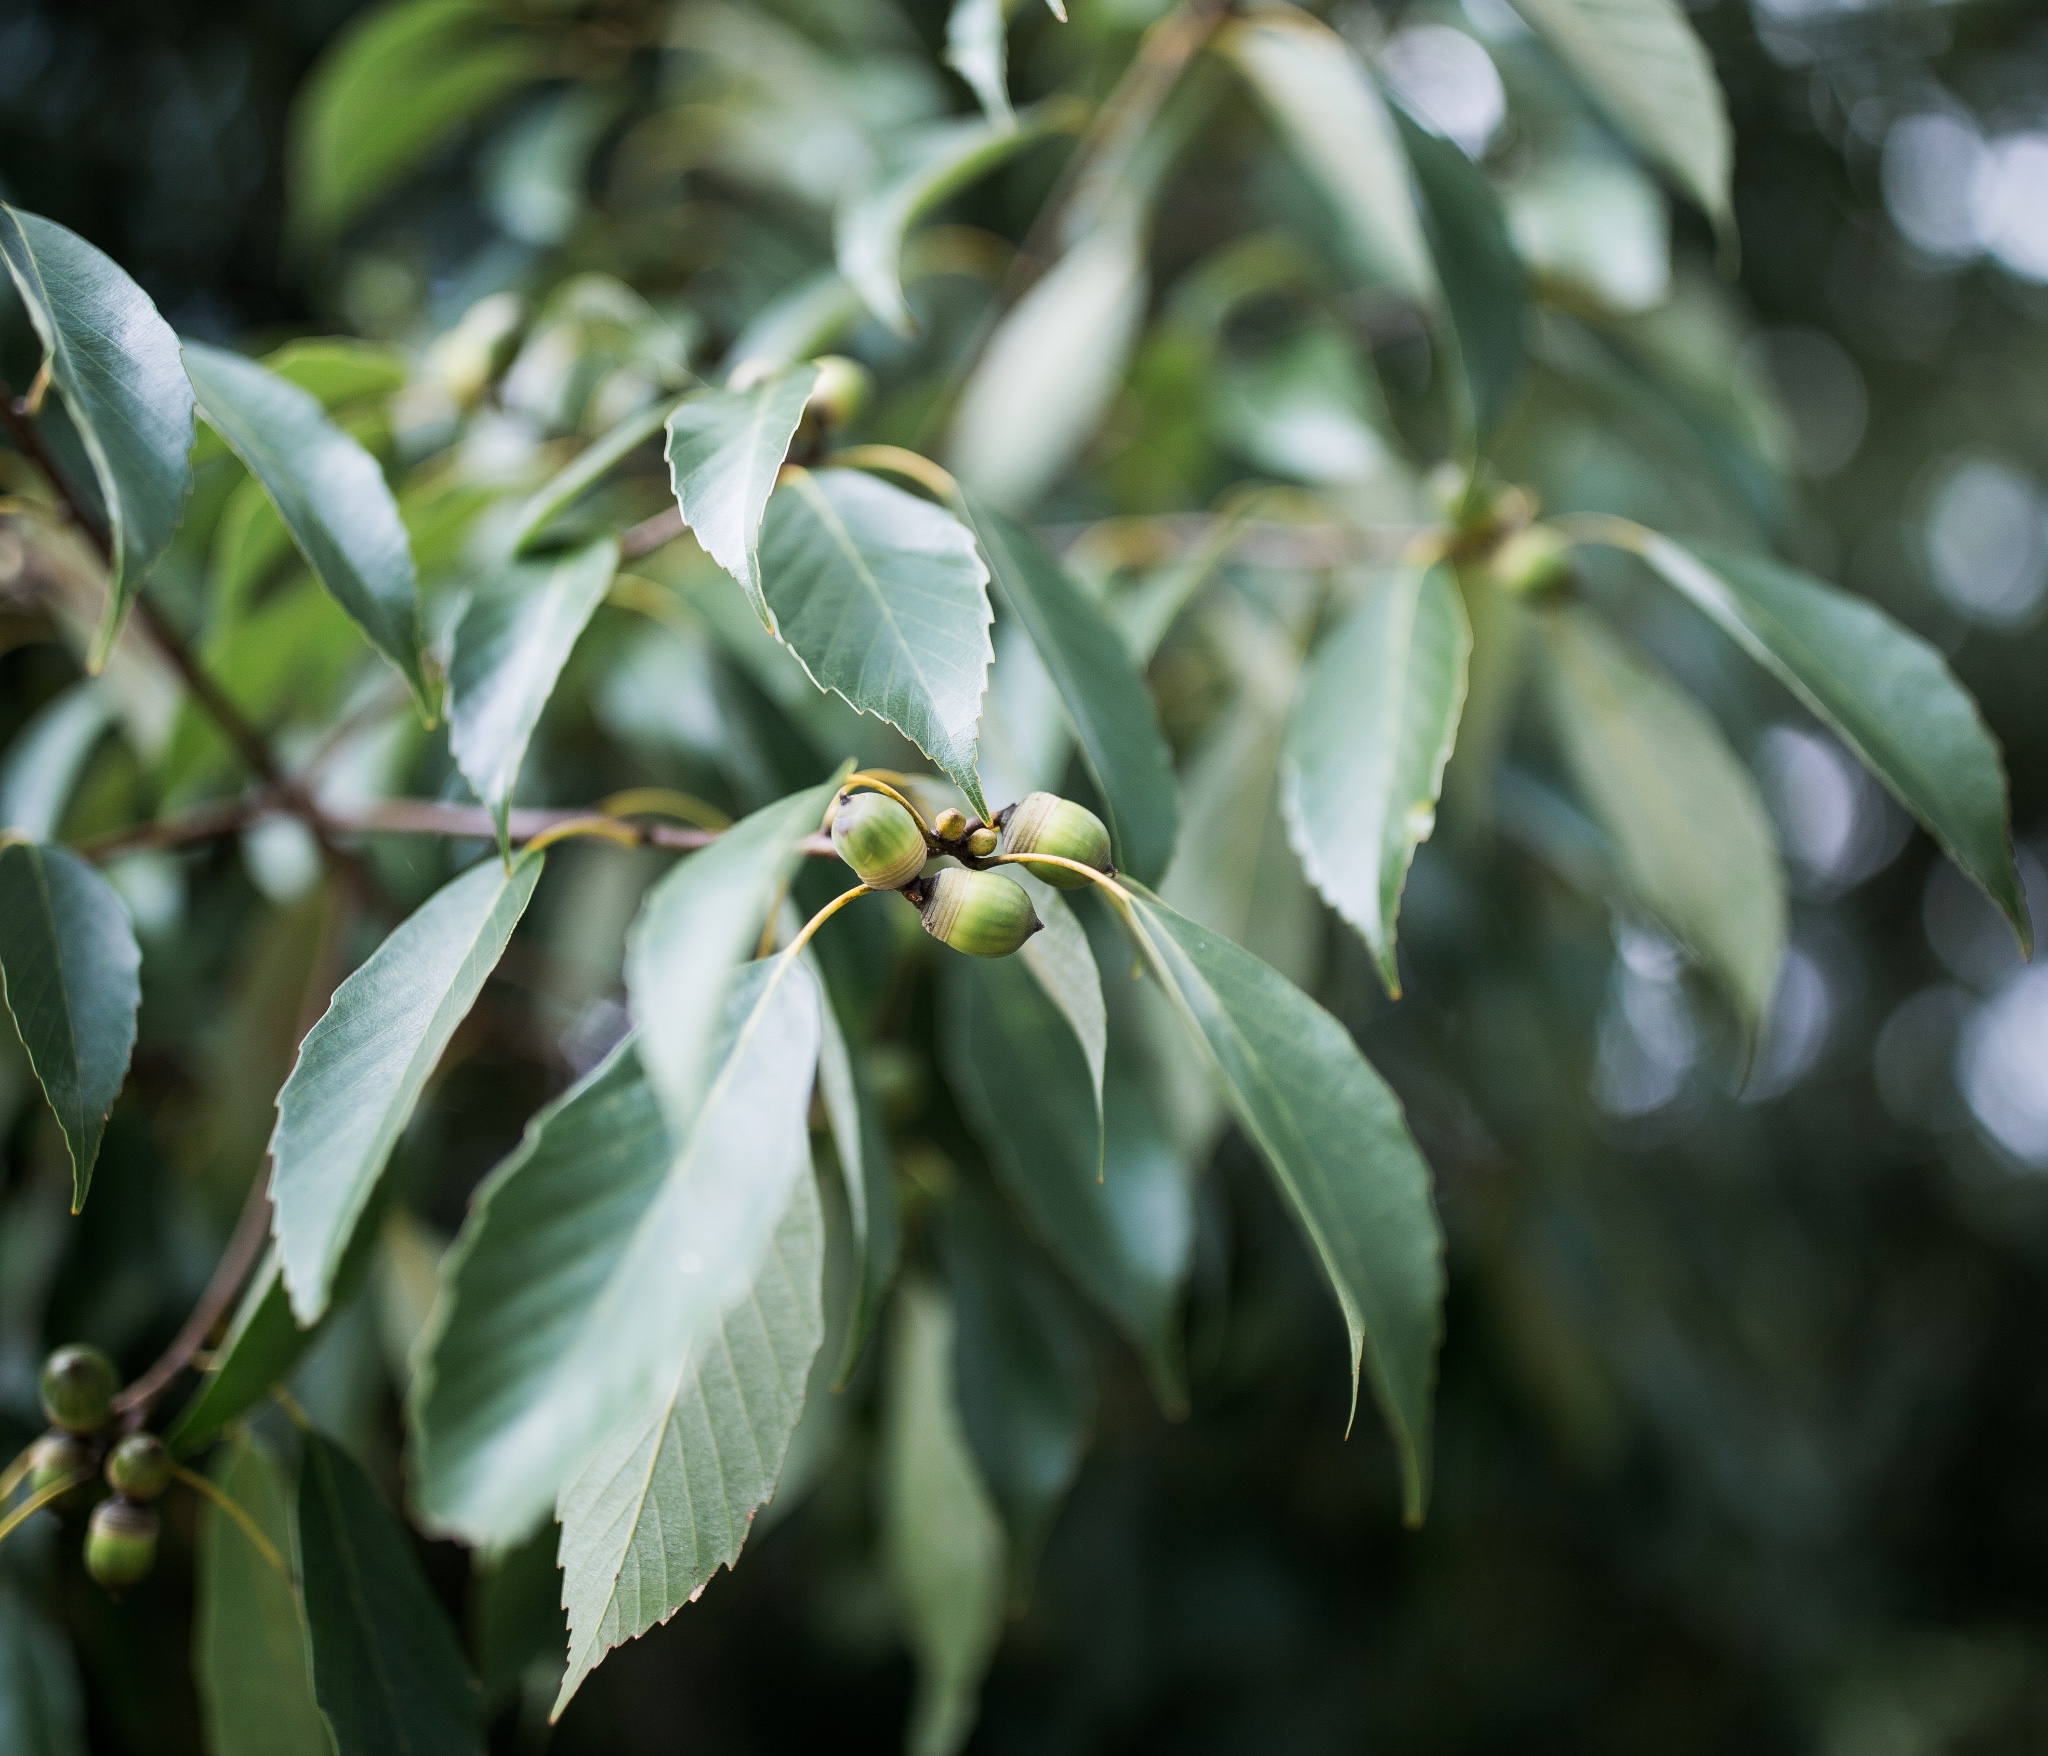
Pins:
x: 38, y: 1500
x: 650, y: 533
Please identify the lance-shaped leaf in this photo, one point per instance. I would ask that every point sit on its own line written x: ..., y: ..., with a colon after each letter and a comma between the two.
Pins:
x: 1693, y: 838
x: 1367, y: 744
x: 1027, y: 1395
x: 724, y: 449
x: 387, y: 1671
x: 362, y: 1068
x: 115, y: 362
x: 1336, y: 120
x: 1100, y: 1188
x: 330, y: 493
x: 936, y: 162
x: 697, y: 926
x: 1103, y: 690
x: 600, y: 1256
x: 69, y: 968
x: 941, y: 1539
x: 510, y: 647
x: 884, y: 599
x: 1486, y: 292
x: 41, y: 1710
x: 866, y: 1173
x: 671, y: 1495
x: 585, y: 470
x: 977, y: 50
x: 1338, y: 1146
x: 1062, y: 963
x: 1889, y: 696
x: 251, y: 1655
x: 1643, y: 66
x: 47, y: 757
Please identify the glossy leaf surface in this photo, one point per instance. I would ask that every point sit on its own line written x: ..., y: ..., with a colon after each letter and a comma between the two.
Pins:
x: 69, y: 967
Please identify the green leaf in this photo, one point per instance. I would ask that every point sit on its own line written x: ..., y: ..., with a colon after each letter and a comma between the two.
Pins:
x: 1100, y: 1188
x: 41, y: 1710
x: 47, y: 757
x: 977, y: 50
x: 1367, y: 744
x: 115, y: 363
x: 1335, y: 119
x: 669, y: 1498
x: 866, y: 1173
x: 252, y: 1656
x: 68, y: 969
x: 1051, y: 369
x: 724, y: 449
x: 590, y: 465
x: 392, y: 87
x: 935, y: 162
x: 387, y: 1671
x: 339, y: 369
x: 599, y: 1257
x: 1027, y: 1395
x: 510, y: 647
x: 1339, y: 1148
x: 695, y: 929
x: 1105, y: 694
x: 1643, y: 67
x: 1062, y: 964
x: 1692, y: 837
x: 329, y: 492
x: 1889, y: 695
x: 1486, y: 293
x: 884, y: 599
x: 362, y: 1068
x: 941, y: 1539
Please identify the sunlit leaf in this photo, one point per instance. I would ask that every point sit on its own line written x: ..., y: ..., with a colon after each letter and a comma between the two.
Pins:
x: 724, y: 448
x: 1643, y: 66
x: 588, y: 467
x: 510, y: 647
x: 884, y: 599
x: 1693, y: 838
x: 115, y: 363
x: 1338, y: 1146
x: 1890, y: 696
x: 330, y: 493
x: 1103, y: 691
x: 362, y: 1068
x: 387, y: 1671
x: 69, y: 969
x: 941, y: 1538
x: 1367, y: 744
x: 976, y: 49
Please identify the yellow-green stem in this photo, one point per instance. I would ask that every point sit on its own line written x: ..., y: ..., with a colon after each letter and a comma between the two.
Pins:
x: 228, y: 1504
x: 39, y: 1499
x: 898, y: 461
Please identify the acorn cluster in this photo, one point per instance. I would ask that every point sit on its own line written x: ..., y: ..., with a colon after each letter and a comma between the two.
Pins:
x: 78, y: 1388
x: 965, y: 905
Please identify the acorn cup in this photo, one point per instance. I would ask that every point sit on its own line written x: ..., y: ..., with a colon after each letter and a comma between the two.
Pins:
x: 981, y: 913
x: 1045, y: 823
x: 56, y: 1457
x: 139, y: 1468
x: 78, y: 1386
x: 878, y: 839
x: 120, y: 1543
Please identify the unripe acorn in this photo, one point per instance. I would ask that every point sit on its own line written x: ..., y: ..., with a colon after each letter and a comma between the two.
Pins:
x: 983, y: 841
x: 878, y: 839
x: 139, y: 1468
x: 950, y: 825
x: 78, y: 1388
x: 56, y: 1457
x: 842, y: 391
x: 1045, y: 823
x: 1531, y: 561
x: 981, y: 913
x: 120, y: 1543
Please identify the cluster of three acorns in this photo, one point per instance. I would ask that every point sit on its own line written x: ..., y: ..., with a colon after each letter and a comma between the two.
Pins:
x: 78, y: 1386
x: 979, y: 912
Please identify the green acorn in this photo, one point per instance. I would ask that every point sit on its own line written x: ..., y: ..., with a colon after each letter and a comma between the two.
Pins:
x: 1045, y: 823
x: 120, y: 1543
x: 56, y: 1456
x: 1531, y: 561
x: 983, y: 841
x: 78, y: 1388
x: 139, y: 1468
x: 878, y: 839
x: 950, y: 825
x: 843, y: 390
x: 981, y: 913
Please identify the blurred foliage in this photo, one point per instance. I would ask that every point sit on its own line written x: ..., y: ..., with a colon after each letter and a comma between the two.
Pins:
x: 1738, y: 1445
